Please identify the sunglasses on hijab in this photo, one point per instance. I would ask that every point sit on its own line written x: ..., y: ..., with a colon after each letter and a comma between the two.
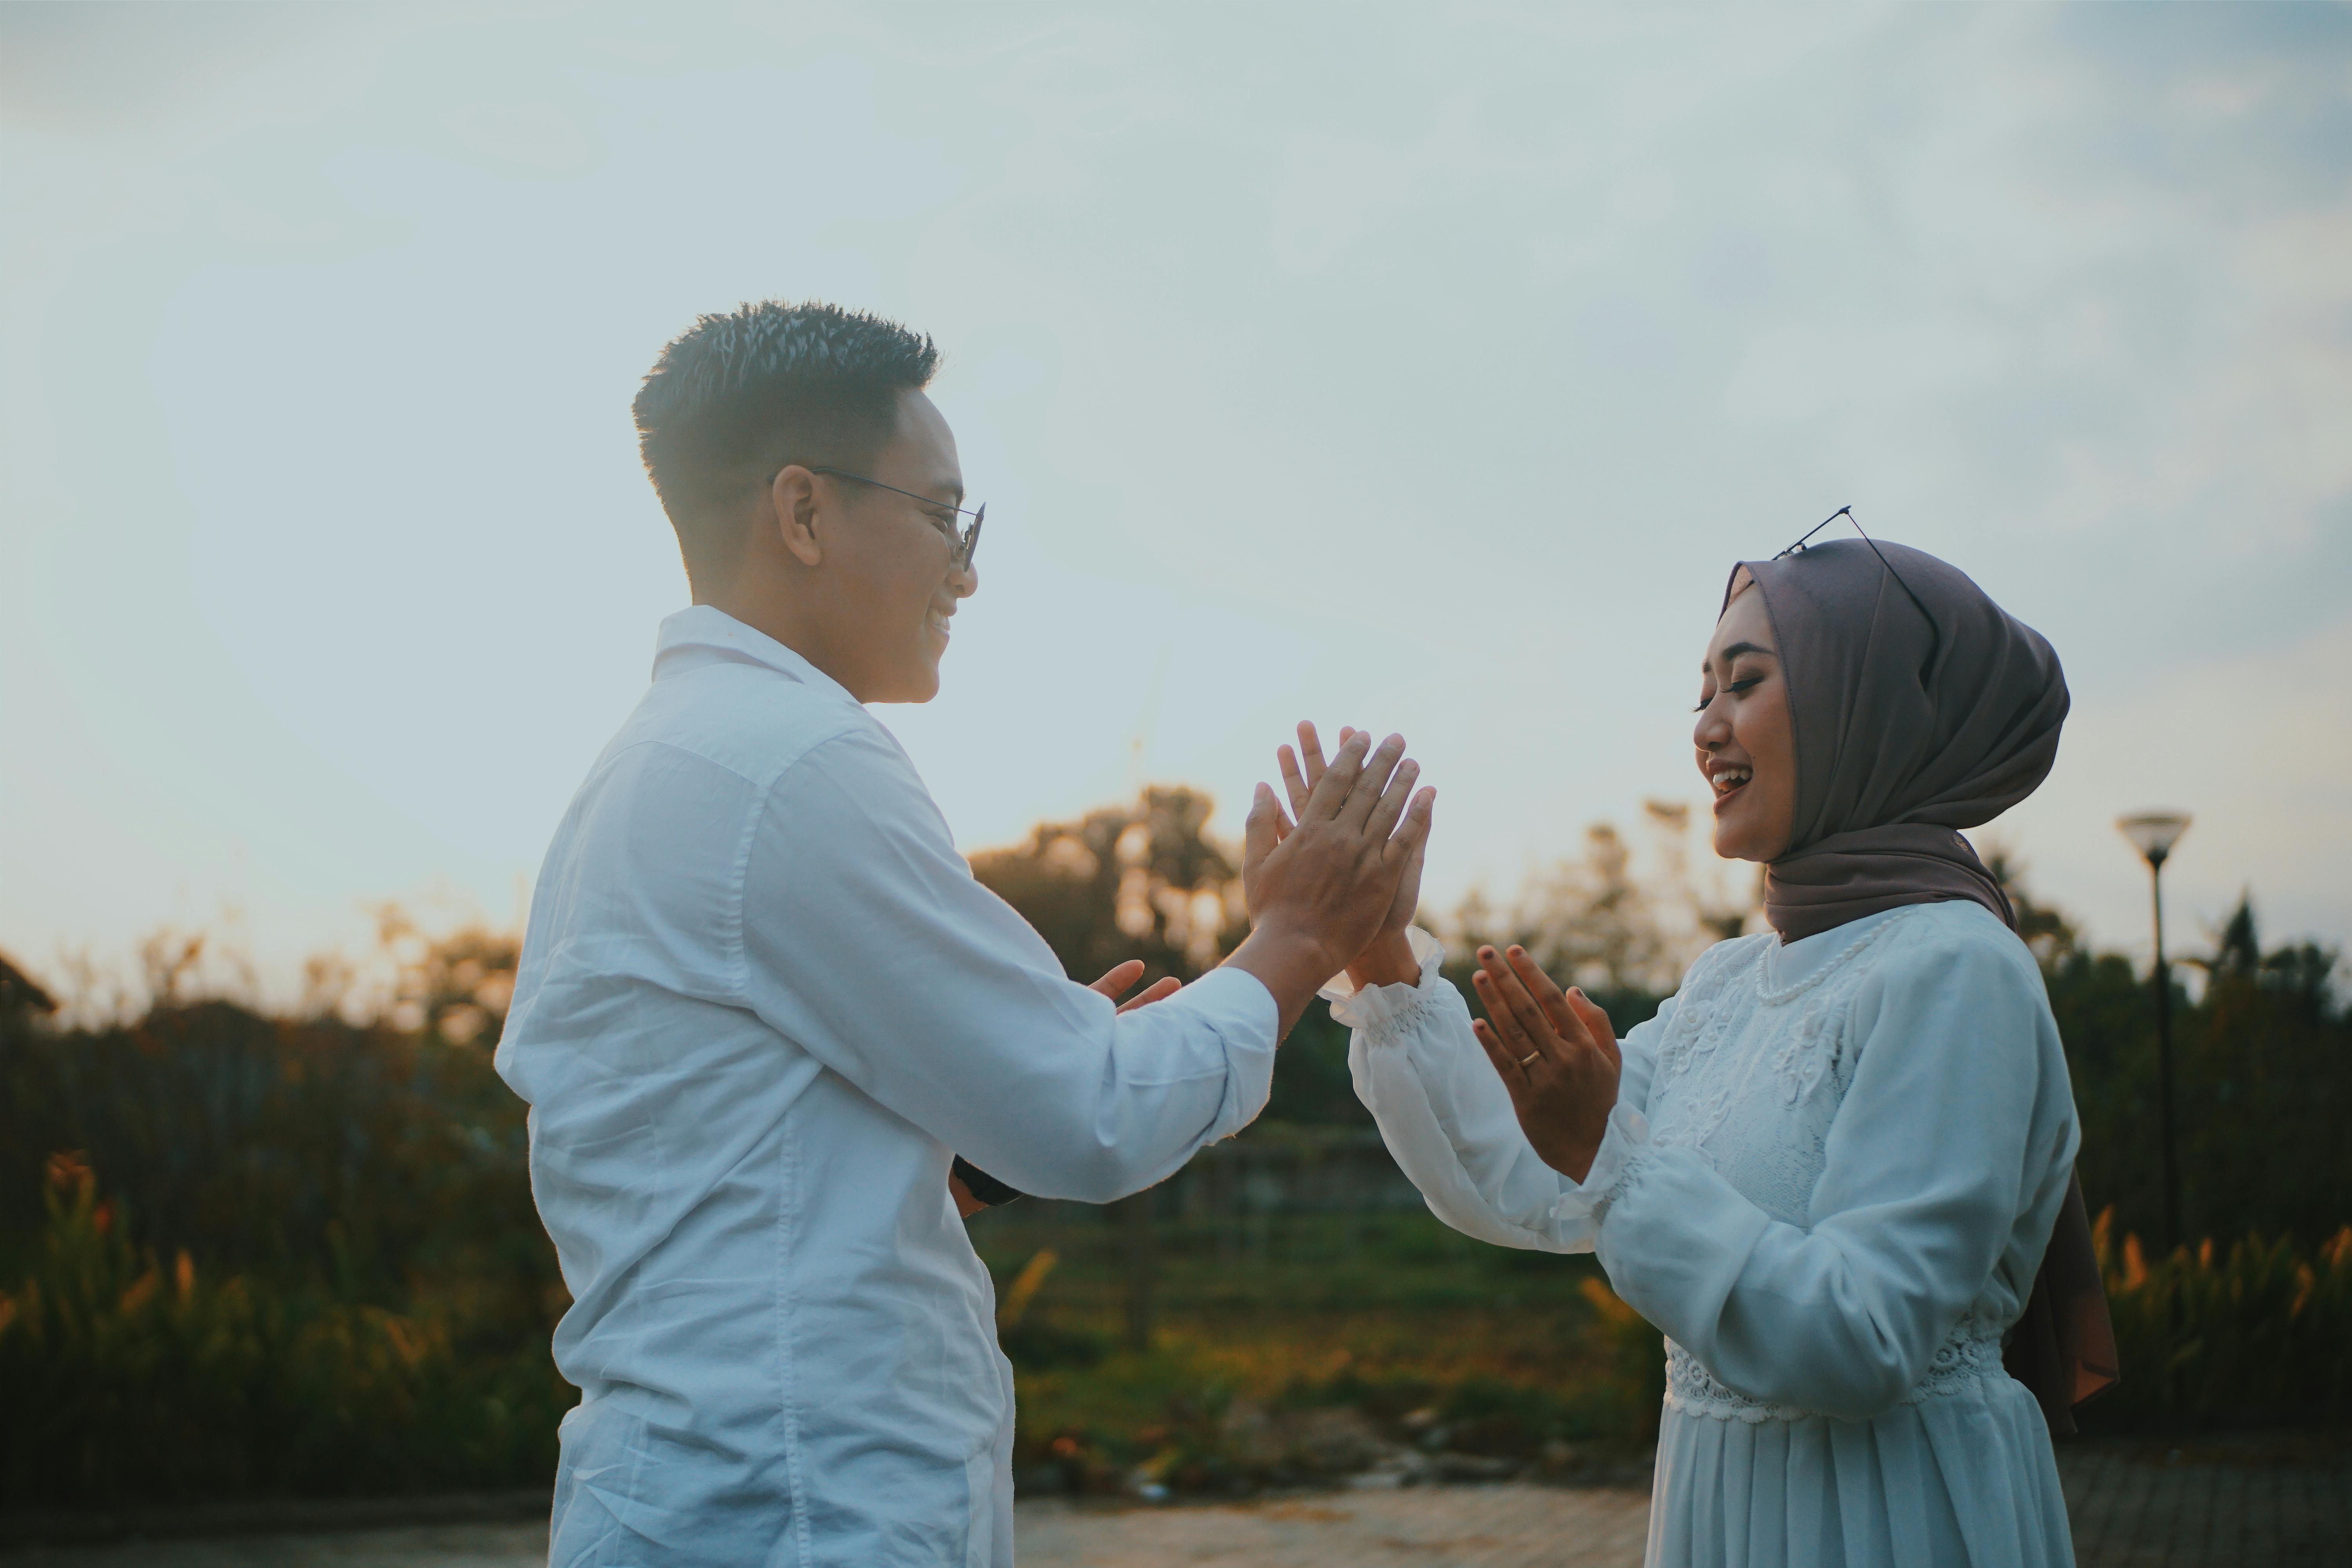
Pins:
x: 1847, y: 512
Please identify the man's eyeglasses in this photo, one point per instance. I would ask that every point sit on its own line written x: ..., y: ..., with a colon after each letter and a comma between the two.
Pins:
x: 965, y: 541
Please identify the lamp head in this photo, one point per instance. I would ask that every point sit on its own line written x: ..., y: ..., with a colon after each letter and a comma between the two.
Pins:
x: 2154, y: 833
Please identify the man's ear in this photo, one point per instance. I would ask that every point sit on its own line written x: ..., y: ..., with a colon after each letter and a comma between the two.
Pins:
x: 791, y: 501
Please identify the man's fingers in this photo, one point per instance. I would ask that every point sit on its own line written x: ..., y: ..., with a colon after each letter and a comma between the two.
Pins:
x: 1391, y: 804
x: 1410, y: 840
x: 1159, y: 990
x: 1264, y: 827
x: 1365, y: 790
x: 1121, y: 977
x: 1330, y: 793
x: 1347, y: 733
x: 1308, y: 762
x: 1412, y: 848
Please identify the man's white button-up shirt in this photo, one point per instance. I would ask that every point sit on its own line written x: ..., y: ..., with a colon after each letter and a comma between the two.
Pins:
x: 762, y: 1000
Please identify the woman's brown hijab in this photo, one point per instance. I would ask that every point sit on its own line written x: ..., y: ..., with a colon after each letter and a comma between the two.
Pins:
x: 1919, y: 706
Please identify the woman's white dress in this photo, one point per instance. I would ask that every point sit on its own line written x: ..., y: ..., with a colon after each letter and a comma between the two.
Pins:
x: 1829, y: 1178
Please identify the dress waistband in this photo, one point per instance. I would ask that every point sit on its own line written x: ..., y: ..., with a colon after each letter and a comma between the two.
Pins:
x: 1963, y: 1364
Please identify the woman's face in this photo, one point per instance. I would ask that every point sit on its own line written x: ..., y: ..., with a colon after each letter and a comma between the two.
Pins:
x: 1745, y: 748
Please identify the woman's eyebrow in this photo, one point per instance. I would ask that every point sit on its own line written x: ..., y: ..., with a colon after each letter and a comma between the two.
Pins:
x: 1736, y: 649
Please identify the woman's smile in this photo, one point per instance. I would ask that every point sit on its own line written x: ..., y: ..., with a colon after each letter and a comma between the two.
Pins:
x: 1744, y: 745
x: 1728, y: 779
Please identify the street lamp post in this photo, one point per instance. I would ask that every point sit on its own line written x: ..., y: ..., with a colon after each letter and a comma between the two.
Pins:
x: 2153, y: 834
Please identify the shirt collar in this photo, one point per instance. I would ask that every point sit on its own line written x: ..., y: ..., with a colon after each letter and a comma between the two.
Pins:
x: 702, y: 634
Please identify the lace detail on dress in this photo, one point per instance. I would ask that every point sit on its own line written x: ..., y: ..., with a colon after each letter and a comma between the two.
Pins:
x: 1750, y: 1079
x: 1703, y: 1021
x: 1964, y: 1363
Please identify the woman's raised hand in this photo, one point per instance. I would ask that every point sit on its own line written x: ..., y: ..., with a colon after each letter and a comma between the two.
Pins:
x: 1556, y: 1053
x: 1388, y: 958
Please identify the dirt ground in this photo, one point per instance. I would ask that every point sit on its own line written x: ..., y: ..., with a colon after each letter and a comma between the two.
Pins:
x: 2280, y: 1504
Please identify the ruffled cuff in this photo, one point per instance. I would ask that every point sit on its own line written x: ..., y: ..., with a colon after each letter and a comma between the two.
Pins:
x: 1624, y: 1150
x: 1386, y: 1009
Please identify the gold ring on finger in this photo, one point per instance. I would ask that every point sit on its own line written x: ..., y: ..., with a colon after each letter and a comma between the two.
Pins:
x: 1528, y: 1058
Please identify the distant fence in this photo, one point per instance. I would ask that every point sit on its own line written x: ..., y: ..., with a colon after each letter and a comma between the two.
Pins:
x: 1295, y: 1171
x: 1288, y: 1170
x: 1279, y: 1192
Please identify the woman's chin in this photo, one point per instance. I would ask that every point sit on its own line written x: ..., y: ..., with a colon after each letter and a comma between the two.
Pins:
x: 1732, y: 844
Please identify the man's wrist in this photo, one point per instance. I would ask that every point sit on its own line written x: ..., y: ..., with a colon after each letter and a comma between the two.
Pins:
x: 1290, y: 962
x: 1314, y: 956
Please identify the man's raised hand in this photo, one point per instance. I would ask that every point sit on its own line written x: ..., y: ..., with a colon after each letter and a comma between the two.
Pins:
x: 1318, y: 889
x: 1387, y: 959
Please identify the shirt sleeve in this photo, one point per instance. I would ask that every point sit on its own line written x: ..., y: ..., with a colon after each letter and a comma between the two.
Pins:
x: 865, y: 939
x: 1448, y: 1122
x: 1957, y: 1124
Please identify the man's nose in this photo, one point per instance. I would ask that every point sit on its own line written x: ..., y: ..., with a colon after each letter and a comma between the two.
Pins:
x: 966, y: 582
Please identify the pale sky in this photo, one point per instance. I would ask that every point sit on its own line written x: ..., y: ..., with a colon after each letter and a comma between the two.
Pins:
x: 1422, y: 367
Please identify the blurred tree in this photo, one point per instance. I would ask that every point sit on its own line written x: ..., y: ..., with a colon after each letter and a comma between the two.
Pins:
x: 1587, y: 922
x: 364, y: 1155
x: 20, y: 997
x: 2045, y: 931
x: 455, y: 987
x: 2265, y: 1076
x: 1140, y: 880
x: 1591, y: 920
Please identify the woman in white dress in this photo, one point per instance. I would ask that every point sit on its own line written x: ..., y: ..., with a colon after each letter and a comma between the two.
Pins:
x: 1829, y: 1169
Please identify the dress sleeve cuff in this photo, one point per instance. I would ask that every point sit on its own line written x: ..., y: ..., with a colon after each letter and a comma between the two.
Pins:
x: 1385, y: 1009
x: 1623, y: 1149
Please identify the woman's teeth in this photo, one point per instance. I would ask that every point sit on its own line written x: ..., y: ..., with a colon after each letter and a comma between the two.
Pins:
x: 1730, y: 779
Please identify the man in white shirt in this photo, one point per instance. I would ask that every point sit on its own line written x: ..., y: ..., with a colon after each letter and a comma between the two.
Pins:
x: 761, y: 999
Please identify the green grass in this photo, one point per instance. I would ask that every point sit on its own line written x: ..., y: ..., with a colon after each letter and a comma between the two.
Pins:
x: 1512, y: 1354
x: 1280, y: 1347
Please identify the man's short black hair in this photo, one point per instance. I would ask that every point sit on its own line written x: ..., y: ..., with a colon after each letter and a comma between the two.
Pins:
x: 735, y: 397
